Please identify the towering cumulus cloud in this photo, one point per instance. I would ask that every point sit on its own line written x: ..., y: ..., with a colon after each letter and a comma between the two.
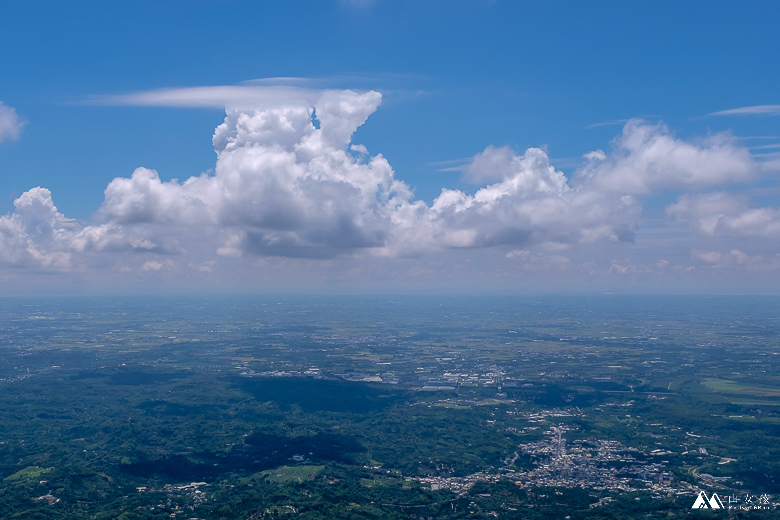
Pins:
x: 36, y: 234
x: 281, y: 186
x: 288, y: 182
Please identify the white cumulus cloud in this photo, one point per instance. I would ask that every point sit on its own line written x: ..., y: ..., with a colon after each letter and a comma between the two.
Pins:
x: 10, y: 123
x: 726, y: 214
x: 648, y: 158
x: 281, y: 185
x: 532, y: 204
x: 290, y: 183
x: 36, y: 234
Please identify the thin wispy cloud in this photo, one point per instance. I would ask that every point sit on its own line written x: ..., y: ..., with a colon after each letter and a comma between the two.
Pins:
x: 451, y: 165
x: 621, y: 122
x: 756, y: 110
x: 769, y: 162
x: 283, y: 81
x: 257, y: 93
x: 212, y: 97
x: 757, y: 137
x: 766, y: 147
x: 616, y: 122
x: 360, y: 4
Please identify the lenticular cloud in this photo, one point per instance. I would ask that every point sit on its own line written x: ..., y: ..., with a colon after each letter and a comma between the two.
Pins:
x: 288, y: 182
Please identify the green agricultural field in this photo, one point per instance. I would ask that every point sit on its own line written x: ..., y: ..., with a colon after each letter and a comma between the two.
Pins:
x: 28, y: 473
x: 753, y: 402
x: 732, y: 387
x: 292, y: 473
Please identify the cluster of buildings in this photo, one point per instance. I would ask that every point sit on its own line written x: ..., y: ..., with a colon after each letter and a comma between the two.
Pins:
x: 461, y: 485
x: 597, y: 464
x: 179, y: 500
x: 427, y: 379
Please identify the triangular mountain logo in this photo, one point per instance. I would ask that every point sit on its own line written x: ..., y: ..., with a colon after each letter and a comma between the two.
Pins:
x: 703, y: 503
x: 715, y: 502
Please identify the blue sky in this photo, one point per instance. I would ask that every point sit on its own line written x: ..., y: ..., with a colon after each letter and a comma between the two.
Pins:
x: 660, y: 121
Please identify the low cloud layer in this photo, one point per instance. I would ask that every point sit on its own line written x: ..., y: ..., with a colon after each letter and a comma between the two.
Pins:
x: 725, y: 214
x: 289, y: 183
